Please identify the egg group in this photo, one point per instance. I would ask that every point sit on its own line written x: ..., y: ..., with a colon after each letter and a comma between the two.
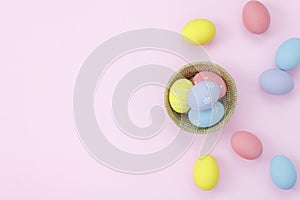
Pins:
x: 199, y: 97
x: 278, y: 81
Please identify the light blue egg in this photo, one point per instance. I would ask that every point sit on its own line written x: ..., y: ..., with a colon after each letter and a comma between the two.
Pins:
x: 208, y: 117
x: 203, y: 95
x: 276, y: 81
x: 287, y: 56
x: 283, y: 172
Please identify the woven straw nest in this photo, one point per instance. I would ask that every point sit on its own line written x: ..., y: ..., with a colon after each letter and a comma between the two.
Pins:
x: 229, y: 100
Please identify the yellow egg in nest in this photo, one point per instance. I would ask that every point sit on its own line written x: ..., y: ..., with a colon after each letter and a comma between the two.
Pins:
x: 178, y: 95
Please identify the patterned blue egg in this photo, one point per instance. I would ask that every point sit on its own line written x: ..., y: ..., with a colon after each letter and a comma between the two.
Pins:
x: 287, y: 56
x: 208, y: 117
x: 276, y: 82
x: 203, y: 95
x: 283, y: 172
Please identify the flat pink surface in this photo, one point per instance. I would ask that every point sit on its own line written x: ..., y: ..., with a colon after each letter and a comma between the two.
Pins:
x: 43, y: 45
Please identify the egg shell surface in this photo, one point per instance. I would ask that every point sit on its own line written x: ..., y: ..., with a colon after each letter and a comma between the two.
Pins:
x: 198, y: 31
x: 276, y: 82
x: 283, y: 172
x: 246, y: 145
x: 256, y: 17
x: 207, y: 75
x: 206, y: 172
x: 208, y: 117
x: 178, y: 95
x: 203, y: 95
x: 287, y: 56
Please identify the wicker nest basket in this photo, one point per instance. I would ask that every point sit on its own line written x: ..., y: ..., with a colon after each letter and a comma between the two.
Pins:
x: 229, y: 100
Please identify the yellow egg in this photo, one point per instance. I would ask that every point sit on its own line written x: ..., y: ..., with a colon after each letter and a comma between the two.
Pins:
x: 178, y: 95
x: 198, y: 31
x: 206, y: 172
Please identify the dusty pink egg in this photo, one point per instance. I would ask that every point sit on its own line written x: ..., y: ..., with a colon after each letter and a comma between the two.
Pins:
x: 206, y: 75
x: 256, y: 17
x: 246, y: 145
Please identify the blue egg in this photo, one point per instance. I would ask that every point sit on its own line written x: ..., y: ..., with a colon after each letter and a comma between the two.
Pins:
x: 287, y: 56
x: 276, y: 81
x: 283, y: 172
x: 203, y: 95
x: 208, y: 117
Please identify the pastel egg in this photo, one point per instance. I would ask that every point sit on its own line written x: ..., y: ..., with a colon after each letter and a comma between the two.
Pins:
x: 207, y: 75
x: 287, y: 56
x: 203, y: 95
x: 256, y: 17
x: 178, y: 95
x: 276, y: 82
x: 208, y: 117
x: 206, y: 172
x: 283, y: 172
x: 246, y: 145
x: 198, y: 31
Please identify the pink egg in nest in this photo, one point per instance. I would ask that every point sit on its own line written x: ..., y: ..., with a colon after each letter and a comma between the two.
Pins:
x: 206, y: 75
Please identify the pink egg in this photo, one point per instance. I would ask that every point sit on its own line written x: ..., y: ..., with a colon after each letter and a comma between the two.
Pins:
x: 206, y: 75
x: 256, y: 17
x: 246, y: 145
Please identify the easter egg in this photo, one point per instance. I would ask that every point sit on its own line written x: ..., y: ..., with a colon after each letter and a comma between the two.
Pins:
x: 287, y: 56
x: 178, y: 95
x: 208, y: 117
x: 256, y: 17
x: 283, y: 172
x: 203, y: 95
x: 246, y: 145
x: 198, y: 31
x: 206, y: 172
x: 207, y: 75
x: 276, y: 82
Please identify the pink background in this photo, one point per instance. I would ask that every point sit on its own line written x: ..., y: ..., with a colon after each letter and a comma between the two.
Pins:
x: 43, y: 45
